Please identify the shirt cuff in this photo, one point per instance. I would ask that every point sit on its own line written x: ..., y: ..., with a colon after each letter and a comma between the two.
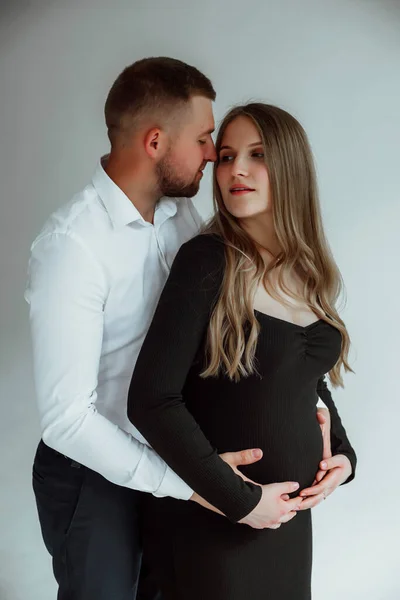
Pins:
x: 172, y: 485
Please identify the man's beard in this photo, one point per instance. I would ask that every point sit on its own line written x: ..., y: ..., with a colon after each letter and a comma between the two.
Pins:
x: 171, y: 184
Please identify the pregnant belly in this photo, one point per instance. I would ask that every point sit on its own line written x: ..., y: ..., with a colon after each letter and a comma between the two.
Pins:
x: 290, y: 453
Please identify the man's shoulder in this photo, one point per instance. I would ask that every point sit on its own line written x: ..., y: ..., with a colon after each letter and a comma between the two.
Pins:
x: 83, y: 213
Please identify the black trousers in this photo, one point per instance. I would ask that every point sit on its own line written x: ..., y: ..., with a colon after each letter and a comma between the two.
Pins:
x: 91, y: 528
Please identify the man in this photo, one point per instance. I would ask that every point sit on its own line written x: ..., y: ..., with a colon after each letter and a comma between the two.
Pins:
x: 96, y: 272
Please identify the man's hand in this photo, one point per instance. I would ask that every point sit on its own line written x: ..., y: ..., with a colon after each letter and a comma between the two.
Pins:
x: 324, y: 420
x: 337, y: 469
x: 244, y: 457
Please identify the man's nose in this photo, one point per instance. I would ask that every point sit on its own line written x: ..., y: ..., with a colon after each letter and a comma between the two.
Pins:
x: 212, y: 153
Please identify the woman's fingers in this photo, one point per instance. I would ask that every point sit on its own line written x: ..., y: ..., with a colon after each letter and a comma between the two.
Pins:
x: 319, y: 477
x: 339, y: 460
x: 334, y: 471
x: 326, y: 486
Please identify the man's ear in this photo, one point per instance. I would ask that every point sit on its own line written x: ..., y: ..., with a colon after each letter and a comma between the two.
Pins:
x: 155, y: 143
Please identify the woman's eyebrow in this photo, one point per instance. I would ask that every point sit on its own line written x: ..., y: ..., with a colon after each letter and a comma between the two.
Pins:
x: 249, y: 146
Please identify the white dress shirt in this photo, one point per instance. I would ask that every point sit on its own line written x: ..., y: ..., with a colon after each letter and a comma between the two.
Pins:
x: 95, y: 276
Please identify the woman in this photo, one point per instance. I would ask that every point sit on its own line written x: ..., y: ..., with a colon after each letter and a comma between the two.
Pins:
x: 244, y: 333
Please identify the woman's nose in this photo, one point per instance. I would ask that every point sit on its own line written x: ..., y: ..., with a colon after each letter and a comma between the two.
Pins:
x: 239, y: 168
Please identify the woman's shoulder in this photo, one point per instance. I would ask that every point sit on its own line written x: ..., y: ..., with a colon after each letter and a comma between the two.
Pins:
x: 205, y: 252
x: 204, y: 244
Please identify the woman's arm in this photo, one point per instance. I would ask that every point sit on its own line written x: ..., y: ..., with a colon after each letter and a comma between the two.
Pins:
x: 340, y: 443
x: 155, y: 403
x: 340, y: 468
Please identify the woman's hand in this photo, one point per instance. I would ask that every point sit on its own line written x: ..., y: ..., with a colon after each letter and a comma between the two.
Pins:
x: 275, y: 507
x: 336, y: 470
x: 234, y: 460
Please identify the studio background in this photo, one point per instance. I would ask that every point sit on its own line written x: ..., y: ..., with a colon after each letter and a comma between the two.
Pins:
x: 333, y: 64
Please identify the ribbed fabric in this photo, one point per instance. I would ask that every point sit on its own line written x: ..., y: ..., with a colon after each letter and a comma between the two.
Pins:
x: 189, y: 421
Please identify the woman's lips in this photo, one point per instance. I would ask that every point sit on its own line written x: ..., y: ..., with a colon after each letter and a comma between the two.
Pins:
x: 241, y: 192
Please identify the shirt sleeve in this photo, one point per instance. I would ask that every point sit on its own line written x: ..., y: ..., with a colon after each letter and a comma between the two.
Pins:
x: 156, y: 405
x: 339, y: 441
x: 67, y: 290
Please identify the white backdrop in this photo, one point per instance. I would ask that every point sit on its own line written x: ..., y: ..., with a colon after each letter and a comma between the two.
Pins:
x: 336, y: 66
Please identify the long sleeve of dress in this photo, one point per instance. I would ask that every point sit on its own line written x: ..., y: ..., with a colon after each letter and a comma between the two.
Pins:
x: 155, y: 402
x: 339, y: 441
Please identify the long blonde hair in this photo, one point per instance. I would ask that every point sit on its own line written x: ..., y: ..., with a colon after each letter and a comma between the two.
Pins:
x: 233, y: 330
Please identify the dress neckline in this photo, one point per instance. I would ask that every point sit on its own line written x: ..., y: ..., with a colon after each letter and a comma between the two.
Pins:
x: 290, y: 323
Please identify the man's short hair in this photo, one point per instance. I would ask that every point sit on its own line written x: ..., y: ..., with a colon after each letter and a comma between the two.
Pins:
x: 152, y: 87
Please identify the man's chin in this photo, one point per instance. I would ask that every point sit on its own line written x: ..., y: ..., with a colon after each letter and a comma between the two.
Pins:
x: 187, y: 192
x: 190, y: 191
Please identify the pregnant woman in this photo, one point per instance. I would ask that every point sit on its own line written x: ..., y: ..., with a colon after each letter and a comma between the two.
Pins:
x: 245, y: 331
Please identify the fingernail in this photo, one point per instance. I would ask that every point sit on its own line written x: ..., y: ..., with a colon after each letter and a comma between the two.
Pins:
x: 323, y: 464
x: 257, y: 453
x: 295, y: 486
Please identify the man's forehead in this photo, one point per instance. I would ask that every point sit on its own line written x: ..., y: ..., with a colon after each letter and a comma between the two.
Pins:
x: 209, y: 130
x: 202, y: 114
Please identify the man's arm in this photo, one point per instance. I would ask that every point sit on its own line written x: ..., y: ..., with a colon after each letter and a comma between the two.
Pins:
x: 67, y: 290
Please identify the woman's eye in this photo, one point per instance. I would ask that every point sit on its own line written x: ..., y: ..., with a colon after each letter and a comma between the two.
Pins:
x: 202, y: 142
x: 258, y: 154
x: 225, y: 158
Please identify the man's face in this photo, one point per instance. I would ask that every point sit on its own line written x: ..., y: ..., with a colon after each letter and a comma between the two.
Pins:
x: 180, y: 171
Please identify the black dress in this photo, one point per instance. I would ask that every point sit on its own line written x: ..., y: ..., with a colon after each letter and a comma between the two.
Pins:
x: 189, y: 420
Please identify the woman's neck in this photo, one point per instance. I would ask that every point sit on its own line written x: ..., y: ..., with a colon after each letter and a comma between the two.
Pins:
x: 261, y: 229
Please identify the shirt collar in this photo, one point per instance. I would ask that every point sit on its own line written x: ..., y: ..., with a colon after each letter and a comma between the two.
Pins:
x: 120, y: 209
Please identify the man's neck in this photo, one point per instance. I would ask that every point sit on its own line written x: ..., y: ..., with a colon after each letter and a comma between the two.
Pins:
x: 131, y: 182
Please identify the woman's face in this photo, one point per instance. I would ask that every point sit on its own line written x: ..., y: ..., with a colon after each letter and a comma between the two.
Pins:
x: 242, y: 174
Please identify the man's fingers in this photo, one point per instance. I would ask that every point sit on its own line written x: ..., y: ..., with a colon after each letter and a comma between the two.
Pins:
x: 288, y: 517
x: 244, y: 457
x: 324, y: 420
x: 293, y: 504
x: 322, y: 415
x: 243, y: 476
x: 312, y: 502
